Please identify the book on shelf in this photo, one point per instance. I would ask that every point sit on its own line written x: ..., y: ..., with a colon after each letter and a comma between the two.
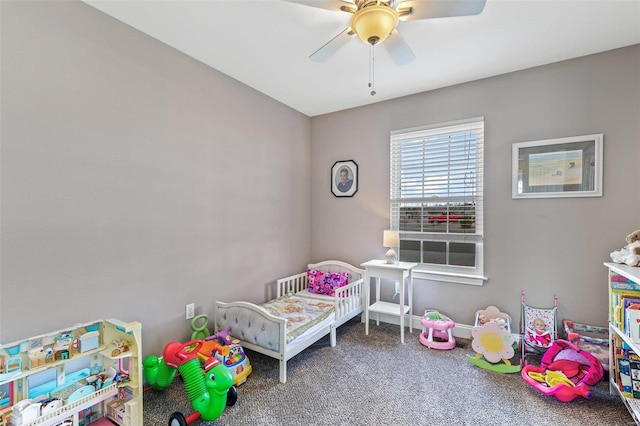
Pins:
x: 625, y: 369
x: 625, y: 384
x: 619, y: 282
x: 625, y: 303
x: 634, y: 371
x: 620, y: 300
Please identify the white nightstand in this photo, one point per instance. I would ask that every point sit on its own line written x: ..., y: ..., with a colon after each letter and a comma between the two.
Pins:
x: 399, y: 271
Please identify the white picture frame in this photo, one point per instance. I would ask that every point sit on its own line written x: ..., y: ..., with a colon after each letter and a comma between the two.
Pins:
x: 555, y: 168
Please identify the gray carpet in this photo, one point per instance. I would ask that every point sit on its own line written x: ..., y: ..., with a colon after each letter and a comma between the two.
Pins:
x: 374, y: 380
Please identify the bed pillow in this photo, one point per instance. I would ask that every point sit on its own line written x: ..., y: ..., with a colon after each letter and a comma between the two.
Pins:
x: 314, y: 280
x: 320, y: 282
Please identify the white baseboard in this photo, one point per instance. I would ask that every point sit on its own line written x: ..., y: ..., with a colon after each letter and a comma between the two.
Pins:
x: 462, y: 331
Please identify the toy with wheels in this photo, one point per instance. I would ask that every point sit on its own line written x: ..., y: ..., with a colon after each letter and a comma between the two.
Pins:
x: 436, y: 331
x: 221, y: 345
x: 209, y: 392
x: 538, y: 327
x: 200, y: 331
x: 232, y: 355
x: 566, y: 372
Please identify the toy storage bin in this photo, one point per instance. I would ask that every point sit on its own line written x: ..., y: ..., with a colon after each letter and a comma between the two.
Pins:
x: 590, y: 338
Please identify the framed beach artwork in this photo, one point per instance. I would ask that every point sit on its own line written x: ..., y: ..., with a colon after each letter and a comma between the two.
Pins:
x: 554, y: 168
x: 344, y: 178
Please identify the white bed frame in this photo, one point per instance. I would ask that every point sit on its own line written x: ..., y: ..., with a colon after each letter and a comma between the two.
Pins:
x: 265, y: 333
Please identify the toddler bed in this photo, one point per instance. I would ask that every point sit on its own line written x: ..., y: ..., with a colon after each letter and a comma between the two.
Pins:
x: 299, y: 316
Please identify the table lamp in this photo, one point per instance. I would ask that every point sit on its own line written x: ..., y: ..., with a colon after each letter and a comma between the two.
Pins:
x: 391, y: 239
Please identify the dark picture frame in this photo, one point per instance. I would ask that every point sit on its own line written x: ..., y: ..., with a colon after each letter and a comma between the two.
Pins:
x: 344, y: 178
x: 554, y: 168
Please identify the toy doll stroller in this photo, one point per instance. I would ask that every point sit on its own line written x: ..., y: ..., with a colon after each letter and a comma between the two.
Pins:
x: 538, y: 329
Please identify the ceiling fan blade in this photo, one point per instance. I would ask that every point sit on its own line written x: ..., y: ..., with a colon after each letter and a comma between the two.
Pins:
x: 427, y: 9
x: 335, y: 5
x: 398, y: 49
x: 332, y: 46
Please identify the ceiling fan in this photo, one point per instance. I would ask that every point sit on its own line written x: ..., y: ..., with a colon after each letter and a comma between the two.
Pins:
x: 375, y: 22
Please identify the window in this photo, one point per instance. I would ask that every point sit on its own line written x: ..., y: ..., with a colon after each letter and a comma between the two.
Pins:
x: 436, y: 199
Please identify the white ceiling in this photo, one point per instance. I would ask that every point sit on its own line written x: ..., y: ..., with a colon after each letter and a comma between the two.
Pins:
x: 265, y: 44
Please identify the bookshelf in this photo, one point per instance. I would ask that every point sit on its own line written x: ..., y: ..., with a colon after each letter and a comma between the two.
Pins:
x: 624, y: 362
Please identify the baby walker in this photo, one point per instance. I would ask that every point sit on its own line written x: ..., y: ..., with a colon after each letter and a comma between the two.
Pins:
x: 223, y: 347
x: 436, y: 331
x: 233, y: 357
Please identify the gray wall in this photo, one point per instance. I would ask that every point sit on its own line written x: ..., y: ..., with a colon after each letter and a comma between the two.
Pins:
x: 541, y: 246
x: 136, y: 180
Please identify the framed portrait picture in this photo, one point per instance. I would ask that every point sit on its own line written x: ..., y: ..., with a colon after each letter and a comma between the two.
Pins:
x: 564, y: 167
x: 344, y: 178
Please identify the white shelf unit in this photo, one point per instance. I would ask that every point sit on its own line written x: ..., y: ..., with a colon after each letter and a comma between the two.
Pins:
x: 115, y: 345
x: 616, y: 335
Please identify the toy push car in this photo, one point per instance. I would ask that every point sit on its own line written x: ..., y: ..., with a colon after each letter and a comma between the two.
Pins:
x: 234, y: 359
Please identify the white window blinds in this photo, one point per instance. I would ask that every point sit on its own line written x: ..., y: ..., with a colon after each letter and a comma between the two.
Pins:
x: 436, y: 191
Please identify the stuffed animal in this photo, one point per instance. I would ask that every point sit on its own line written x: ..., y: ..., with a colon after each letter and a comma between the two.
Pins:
x: 629, y: 254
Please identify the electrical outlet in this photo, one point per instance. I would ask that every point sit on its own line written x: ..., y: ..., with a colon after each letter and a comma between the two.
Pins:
x: 190, y: 311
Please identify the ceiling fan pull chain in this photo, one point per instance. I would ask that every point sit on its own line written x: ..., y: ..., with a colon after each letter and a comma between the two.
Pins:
x: 370, y: 47
x: 372, y: 58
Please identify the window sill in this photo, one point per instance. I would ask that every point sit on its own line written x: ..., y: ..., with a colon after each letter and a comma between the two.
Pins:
x: 449, y: 277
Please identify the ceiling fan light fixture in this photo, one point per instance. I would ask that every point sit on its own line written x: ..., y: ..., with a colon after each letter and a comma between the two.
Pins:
x: 373, y: 24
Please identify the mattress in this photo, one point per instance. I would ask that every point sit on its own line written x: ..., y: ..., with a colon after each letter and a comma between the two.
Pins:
x: 303, y: 314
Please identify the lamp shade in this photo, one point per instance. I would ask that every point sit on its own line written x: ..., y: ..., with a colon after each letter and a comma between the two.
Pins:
x: 391, y: 238
x: 373, y: 24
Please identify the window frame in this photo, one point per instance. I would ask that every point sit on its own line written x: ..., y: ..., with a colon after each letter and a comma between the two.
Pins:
x: 440, y: 272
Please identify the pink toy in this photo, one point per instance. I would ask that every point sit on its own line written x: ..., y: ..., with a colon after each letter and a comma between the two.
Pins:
x: 538, y: 327
x: 436, y: 331
x: 566, y: 372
